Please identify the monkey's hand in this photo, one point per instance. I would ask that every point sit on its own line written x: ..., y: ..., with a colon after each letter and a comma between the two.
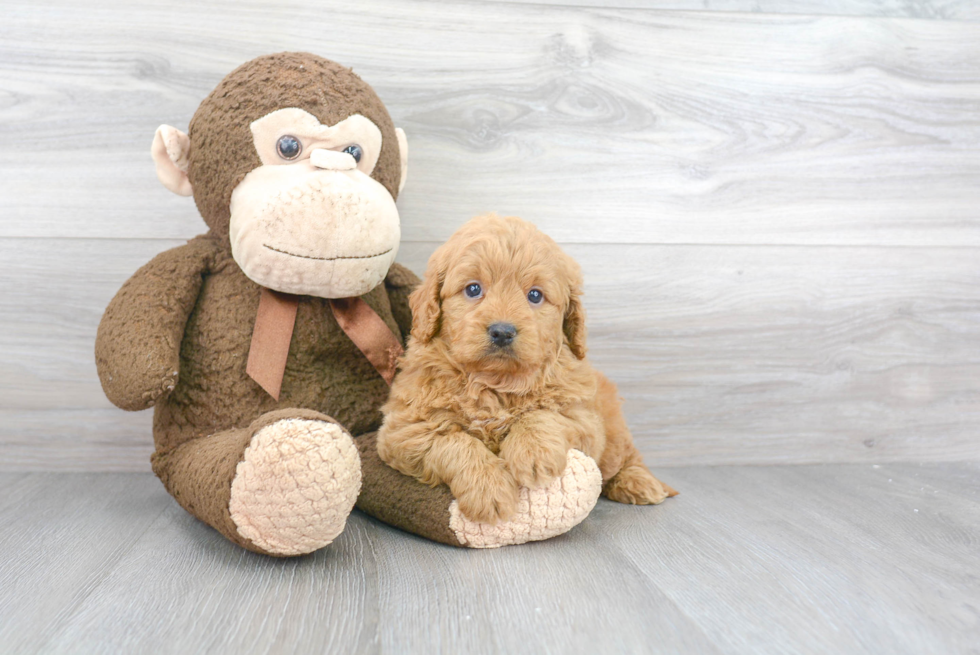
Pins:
x: 137, y: 349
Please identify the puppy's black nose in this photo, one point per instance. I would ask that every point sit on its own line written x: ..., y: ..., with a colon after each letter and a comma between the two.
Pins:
x: 502, y: 334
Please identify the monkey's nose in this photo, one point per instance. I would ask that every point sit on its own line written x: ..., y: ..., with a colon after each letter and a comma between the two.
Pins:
x: 502, y: 334
x: 331, y: 160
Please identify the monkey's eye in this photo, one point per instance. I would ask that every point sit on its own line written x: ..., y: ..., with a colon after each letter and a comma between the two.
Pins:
x: 535, y: 296
x: 289, y: 147
x: 473, y: 290
x: 354, y: 151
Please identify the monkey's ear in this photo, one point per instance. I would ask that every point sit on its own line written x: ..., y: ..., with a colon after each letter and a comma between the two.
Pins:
x: 403, y: 150
x: 170, y: 151
x: 574, y: 324
x: 426, y: 305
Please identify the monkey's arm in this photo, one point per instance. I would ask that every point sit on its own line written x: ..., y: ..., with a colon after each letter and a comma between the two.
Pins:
x: 399, y: 283
x: 137, y: 348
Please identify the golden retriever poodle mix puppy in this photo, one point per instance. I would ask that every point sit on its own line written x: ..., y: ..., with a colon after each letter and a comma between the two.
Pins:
x: 494, y: 387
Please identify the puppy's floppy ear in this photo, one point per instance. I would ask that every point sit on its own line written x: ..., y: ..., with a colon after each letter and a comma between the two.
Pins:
x: 425, y: 303
x: 574, y: 323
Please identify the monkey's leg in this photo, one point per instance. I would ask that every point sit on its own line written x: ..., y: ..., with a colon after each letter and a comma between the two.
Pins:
x: 282, y: 486
x: 406, y: 503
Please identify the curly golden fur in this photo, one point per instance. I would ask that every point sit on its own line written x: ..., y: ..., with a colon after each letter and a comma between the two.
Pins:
x: 486, y: 414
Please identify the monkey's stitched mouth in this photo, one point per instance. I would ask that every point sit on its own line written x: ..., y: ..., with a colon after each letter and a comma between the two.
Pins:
x: 325, y: 259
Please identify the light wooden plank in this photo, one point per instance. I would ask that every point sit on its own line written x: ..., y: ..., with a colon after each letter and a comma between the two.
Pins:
x: 60, y: 536
x: 724, y: 354
x: 842, y: 559
x: 572, y: 594
x: 601, y: 125
x: 767, y: 355
x: 59, y: 439
x: 54, y: 294
x: 924, y: 9
x: 186, y: 589
x: 53, y: 414
x: 806, y: 559
x: 374, y: 590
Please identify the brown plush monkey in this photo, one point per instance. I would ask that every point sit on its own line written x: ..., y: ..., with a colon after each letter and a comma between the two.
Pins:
x: 265, y: 343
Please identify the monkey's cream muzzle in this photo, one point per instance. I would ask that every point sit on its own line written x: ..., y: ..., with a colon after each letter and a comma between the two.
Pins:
x: 305, y: 230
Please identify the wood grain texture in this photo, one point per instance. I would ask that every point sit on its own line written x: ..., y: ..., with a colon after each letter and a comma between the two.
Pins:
x: 724, y: 354
x: 615, y: 126
x: 924, y: 9
x: 185, y: 589
x: 777, y: 215
x: 877, y: 559
x: 60, y: 537
x: 765, y: 355
x: 807, y: 559
x: 570, y: 595
x: 58, y: 439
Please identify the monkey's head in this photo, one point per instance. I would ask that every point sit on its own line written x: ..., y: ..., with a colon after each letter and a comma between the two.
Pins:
x: 294, y: 160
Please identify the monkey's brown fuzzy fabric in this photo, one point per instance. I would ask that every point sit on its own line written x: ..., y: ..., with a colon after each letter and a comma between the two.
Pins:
x: 177, y: 334
x: 146, y: 323
x: 390, y: 496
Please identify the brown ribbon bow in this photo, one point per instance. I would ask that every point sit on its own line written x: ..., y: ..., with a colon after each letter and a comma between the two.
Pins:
x: 274, y: 330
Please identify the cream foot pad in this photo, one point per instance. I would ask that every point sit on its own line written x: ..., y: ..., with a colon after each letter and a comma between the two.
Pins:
x: 541, y: 513
x: 296, y: 486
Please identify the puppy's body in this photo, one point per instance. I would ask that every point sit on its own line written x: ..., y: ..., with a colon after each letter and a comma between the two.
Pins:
x: 494, y: 388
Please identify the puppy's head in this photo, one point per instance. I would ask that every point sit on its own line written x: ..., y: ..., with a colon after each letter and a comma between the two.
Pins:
x: 502, y: 297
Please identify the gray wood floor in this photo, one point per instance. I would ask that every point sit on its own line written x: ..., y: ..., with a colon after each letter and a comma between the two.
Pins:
x: 856, y: 558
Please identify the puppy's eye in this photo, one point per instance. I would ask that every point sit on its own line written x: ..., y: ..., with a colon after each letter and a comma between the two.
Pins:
x: 289, y: 147
x: 535, y: 296
x: 473, y: 290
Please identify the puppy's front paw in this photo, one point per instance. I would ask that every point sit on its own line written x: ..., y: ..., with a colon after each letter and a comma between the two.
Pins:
x: 534, y: 464
x: 488, y: 495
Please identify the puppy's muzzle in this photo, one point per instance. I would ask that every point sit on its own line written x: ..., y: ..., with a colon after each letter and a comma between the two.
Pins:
x: 502, y: 334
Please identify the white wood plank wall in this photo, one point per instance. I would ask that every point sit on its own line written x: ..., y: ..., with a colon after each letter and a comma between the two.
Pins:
x: 778, y: 213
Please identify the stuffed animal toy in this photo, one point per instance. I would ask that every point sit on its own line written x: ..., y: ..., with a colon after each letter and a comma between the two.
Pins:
x: 264, y: 344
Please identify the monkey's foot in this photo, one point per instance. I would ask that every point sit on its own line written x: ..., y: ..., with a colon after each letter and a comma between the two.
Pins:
x: 295, y: 486
x: 541, y: 513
